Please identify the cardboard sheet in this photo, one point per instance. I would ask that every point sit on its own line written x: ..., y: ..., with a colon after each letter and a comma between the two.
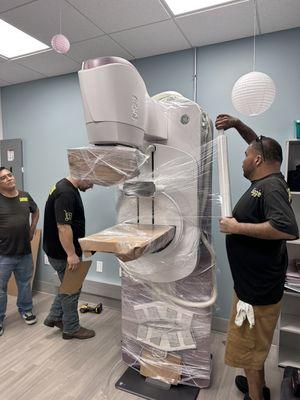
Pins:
x: 166, y: 369
x: 12, y: 288
x: 73, y: 280
x: 129, y: 241
x: 105, y: 165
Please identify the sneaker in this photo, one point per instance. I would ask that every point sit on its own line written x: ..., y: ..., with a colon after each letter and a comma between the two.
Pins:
x: 242, y: 384
x: 82, y: 333
x: 1, y: 329
x: 51, y: 323
x: 29, y: 318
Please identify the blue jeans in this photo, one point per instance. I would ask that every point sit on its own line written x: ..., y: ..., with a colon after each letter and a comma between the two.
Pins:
x: 22, y: 267
x: 64, y: 307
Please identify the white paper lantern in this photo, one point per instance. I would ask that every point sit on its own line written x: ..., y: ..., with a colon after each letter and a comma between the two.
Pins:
x: 60, y: 43
x: 253, y: 93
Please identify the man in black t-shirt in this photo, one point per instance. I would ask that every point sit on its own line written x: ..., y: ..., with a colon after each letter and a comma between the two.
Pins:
x: 64, y: 224
x: 16, y: 232
x: 256, y: 247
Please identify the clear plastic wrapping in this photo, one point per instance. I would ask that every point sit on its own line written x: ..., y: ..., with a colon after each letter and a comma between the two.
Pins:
x: 105, y: 165
x: 167, y: 321
x: 129, y: 241
x: 168, y: 290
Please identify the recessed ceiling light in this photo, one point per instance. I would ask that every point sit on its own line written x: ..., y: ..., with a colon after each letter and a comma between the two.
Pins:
x: 14, y: 42
x: 181, y: 7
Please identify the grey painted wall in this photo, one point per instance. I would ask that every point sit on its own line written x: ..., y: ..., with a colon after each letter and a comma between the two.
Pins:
x: 47, y: 115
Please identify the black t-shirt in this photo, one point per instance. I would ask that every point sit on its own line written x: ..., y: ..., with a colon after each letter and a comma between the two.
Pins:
x: 64, y: 206
x: 15, y: 224
x: 258, y: 266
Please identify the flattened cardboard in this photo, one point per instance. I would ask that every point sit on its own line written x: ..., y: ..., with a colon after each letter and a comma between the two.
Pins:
x: 104, y: 165
x: 164, y: 369
x: 129, y: 241
x: 73, y: 280
x: 12, y: 288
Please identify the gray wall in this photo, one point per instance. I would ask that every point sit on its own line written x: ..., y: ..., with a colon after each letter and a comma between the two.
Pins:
x: 47, y: 115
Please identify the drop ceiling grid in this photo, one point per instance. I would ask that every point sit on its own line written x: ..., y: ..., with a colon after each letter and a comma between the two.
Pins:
x: 130, y: 29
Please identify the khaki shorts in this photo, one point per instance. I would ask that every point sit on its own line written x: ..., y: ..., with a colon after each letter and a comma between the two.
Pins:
x: 248, y: 348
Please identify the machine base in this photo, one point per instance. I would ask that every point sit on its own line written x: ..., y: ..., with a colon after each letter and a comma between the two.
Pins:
x: 134, y: 383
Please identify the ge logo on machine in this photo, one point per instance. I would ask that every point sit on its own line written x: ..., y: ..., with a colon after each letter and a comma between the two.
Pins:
x: 185, y: 119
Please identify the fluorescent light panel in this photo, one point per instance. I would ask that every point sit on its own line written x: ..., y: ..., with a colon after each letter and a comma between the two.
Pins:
x: 14, y: 42
x: 185, y: 6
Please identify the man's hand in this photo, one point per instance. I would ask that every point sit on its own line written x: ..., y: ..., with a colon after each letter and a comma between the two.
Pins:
x: 228, y: 225
x: 73, y: 260
x: 225, y: 121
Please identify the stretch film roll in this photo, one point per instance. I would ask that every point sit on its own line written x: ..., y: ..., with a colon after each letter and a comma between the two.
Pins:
x: 224, y: 181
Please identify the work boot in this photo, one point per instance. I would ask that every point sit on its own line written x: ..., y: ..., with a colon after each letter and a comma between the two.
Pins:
x: 51, y: 323
x: 242, y: 384
x: 82, y: 333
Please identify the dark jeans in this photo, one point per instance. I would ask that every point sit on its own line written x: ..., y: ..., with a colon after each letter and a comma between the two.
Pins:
x: 22, y: 267
x: 64, y: 307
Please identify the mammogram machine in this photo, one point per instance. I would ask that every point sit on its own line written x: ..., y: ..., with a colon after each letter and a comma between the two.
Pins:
x: 158, y: 151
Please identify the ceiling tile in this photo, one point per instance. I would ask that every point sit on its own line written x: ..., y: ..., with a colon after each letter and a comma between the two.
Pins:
x: 116, y: 15
x: 276, y: 15
x: 162, y: 37
x: 12, y: 72
x: 50, y: 63
x: 220, y: 24
x: 4, y: 83
x: 41, y: 20
x: 9, y: 4
x: 97, y: 47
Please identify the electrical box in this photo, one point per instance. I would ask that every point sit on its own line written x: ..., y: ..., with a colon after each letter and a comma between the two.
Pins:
x: 99, y: 266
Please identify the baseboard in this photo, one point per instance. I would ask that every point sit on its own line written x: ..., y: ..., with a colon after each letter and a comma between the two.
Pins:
x: 102, y: 289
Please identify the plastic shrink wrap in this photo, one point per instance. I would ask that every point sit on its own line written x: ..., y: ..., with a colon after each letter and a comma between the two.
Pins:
x: 168, y: 282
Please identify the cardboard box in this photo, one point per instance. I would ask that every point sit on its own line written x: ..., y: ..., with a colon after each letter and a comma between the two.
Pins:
x: 158, y: 366
x: 12, y: 288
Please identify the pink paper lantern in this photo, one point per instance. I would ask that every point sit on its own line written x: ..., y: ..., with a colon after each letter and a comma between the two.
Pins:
x: 60, y: 43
